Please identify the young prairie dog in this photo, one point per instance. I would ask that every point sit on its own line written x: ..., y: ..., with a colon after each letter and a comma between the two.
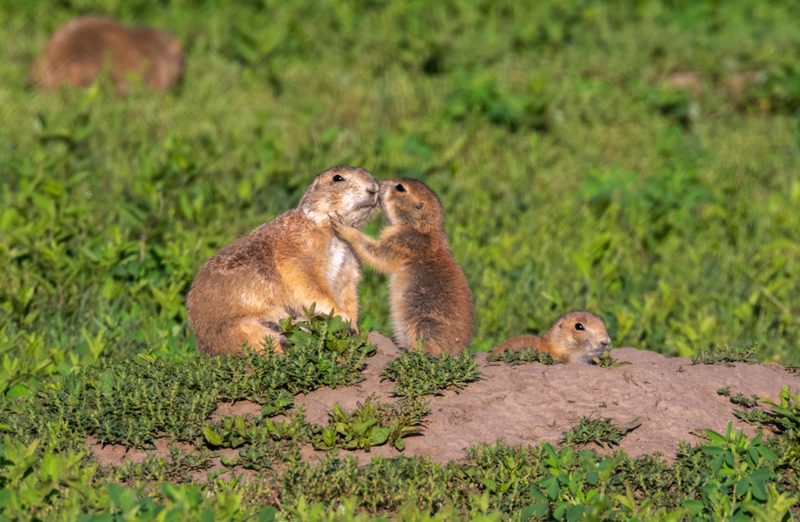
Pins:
x: 283, y: 266
x: 576, y: 337
x: 78, y: 51
x: 430, y: 297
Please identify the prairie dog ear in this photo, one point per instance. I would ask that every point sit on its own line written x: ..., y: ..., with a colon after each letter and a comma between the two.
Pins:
x: 418, y: 206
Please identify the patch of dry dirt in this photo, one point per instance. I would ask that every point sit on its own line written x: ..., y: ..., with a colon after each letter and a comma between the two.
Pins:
x: 529, y: 404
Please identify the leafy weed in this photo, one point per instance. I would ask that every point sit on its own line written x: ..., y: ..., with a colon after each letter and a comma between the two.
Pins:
x: 600, y: 431
x: 136, y: 400
x: 725, y: 356
x: 605, y: 361
x: 417, y: 373
x: 371, y: 425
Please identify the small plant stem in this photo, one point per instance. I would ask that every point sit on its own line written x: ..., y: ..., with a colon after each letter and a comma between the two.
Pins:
x: 783, y: 308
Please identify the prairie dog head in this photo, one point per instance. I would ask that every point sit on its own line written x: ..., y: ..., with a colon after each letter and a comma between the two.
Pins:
x: 410, y: 202
x: 582, y: 334
x: 163, y: 55
x: 348, y: 191
x: 160, y: 45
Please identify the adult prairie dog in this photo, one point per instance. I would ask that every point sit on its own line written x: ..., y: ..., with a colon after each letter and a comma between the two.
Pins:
x: 430, y: 297
x: 576, y: 337
x: 78, y: 51
x: 283, y: 266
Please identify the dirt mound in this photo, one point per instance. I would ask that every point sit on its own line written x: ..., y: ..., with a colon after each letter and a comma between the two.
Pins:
x: 529, y: 404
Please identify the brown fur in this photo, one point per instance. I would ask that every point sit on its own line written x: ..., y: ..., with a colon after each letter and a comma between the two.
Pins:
x: 564, y: 342
x: 283, y: 266
x: 430, y: 297
x: 78, y: 51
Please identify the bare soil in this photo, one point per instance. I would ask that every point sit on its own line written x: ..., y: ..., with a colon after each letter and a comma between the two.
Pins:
x: 529, y: 404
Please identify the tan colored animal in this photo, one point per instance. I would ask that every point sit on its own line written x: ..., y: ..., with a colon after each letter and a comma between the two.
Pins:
x: 283, y: 266
x: 430, y: 297
x: 576, y: 337
x: 78, y: 51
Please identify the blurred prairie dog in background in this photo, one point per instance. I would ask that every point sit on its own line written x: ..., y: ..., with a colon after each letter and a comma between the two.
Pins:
x: 429, y: 295
x: 78, y: 51
x: 576, y: 337
x: 284, y: 266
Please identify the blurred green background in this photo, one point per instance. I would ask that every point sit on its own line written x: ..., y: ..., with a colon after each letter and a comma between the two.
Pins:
x: 634, y: 158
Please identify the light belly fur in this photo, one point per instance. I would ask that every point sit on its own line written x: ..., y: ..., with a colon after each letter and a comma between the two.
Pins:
x: 340, y: 265
x: 397, y: 290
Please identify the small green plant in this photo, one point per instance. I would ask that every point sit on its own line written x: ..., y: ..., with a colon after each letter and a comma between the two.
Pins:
x: 15, y: 371
x: 31, y: 478
x: 741, y: 468
x: 233, y: 432
x: 756, y: 417
x: 643, y: 509
x: 179, y: 467
x: 264, y: 442
x: 600, y: 431
x: 777, y: 506
x: 751, y: 413
x: 402, y: 419
x: 725, y: 355
x: 572, y: 492
x: 605, y: 361
x: 326, y: 332
x: 740, y: 400
x: 371, y: 425
x: 525, y: 356
x: 419, y: 373
x: 786, y: 413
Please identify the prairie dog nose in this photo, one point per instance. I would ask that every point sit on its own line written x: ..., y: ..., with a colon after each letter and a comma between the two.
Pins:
x: 373, y: 188
x: 605, y: 342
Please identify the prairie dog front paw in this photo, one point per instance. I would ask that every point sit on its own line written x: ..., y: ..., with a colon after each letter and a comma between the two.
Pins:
x: 341, y: 229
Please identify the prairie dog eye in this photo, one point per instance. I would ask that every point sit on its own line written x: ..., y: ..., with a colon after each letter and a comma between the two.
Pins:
x: 579, y: 326
x: 400, y: 188
x: 338, y: 178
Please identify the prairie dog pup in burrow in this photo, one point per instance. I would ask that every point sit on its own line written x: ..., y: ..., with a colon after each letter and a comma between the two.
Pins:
x: 283, y: 266
x: 576, y: 337
x: 429, y: 295
x: 78, y: 51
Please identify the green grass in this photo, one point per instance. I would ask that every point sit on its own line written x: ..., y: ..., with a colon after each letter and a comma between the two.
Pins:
x: 570, y: 177
x: 728, y: 475
x: 572, y: 174
x: 137, y: 400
